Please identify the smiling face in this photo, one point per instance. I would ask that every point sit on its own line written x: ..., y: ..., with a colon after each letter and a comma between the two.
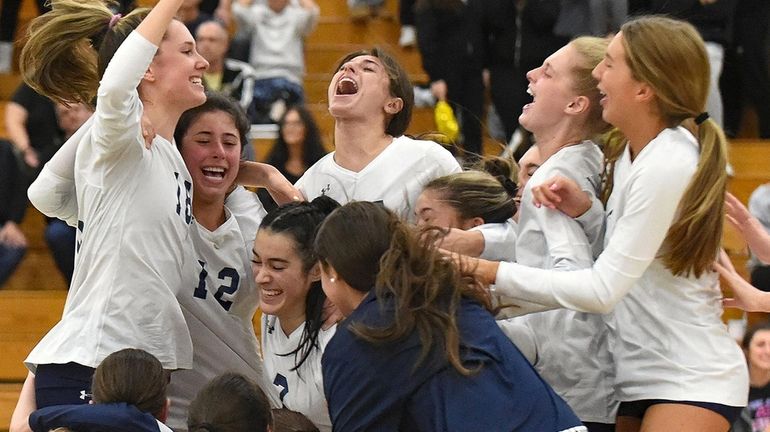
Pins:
x: 176, y: 72
x: 552, y: 89
x: 211, y: 149
x: 617, y: 85
x: 759, y: 350
x: 293, y: 129
x: 280, y: 275
x: 361, y: 88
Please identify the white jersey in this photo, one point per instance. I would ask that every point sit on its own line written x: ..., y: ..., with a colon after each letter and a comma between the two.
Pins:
x: 571, y: 347
x: 666, y: 336
x: 133, y: 238
x: 499, y: 240
x: 219, y: 309
x: 395, y: 177
x: 300, y: 390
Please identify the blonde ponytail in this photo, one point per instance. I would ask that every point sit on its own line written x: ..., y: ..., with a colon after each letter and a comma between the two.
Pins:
x: 62, y: 58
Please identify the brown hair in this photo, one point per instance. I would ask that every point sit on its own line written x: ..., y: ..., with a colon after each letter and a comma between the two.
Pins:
x: 132, y: 376
x: 68, y: 48
x: 669, y: 55
x: 370, y: 248
x: 230, y: 403
x: 400, y: 87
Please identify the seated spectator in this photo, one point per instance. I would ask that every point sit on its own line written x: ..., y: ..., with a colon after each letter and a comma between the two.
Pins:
x: 296, y: 149
x: 128, y: 394
x: 225, y: 75
x: 33, y: 128
x: 756, y: 346
x: 230, y: 403
x: 277, y: 30
x: 13, y: 202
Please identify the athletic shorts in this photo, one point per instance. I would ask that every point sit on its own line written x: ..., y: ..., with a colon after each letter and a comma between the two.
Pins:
x: 638, y: 408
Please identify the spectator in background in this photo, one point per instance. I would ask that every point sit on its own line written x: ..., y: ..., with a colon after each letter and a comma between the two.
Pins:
x: 595, y: 17
x: 59, y: 236
x: 713, y: 19
x: 756, y: 346
x: 219, y: 9
x: 536, y: 41
x: 296, y: 149
x: 33, y: 129
x: 191, y: 15
x: 759, y: 207
x: 499, y: 27
x: 408, y: 36
x: 231, y: 77
x: 449, y: 38
x: 277, y: 30
x: 747, y: 69
x: 9, y: 20
x: 13, y: 202
x: 360, y: 10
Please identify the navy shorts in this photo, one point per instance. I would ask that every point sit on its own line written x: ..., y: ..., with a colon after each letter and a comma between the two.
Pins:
x: 599, y: 427
x: 638, y: 408
x: 62, y: 384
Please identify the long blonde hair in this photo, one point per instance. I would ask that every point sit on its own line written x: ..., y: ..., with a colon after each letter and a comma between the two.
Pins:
x: 68, y: 48
x: 669, y: 55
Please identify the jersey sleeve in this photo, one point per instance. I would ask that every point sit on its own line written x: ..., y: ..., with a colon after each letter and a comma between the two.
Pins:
x: 652, y: 200
x: 568, y: 246
x: 118, y: 111
x: 499, y: 241
x: 247, y: 209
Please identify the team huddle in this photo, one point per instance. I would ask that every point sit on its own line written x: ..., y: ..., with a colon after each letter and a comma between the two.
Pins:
x: 397, y: 291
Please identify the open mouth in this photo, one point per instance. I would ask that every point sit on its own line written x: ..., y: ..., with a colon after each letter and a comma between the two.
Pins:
x: 346, y: 86
x: 197, y: 81
x: 269, y: 293
x: 214, y: 172
x: 531, y: 93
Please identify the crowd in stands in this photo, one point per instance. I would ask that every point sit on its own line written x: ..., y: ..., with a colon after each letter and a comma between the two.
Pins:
x: 570, y: 285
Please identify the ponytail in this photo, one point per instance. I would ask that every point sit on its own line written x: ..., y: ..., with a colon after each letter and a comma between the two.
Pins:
x: 69, y: 48
x: 693, y: 239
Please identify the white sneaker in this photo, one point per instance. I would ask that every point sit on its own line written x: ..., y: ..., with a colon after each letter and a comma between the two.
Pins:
x: 408, y: 36
x: 6, y: 56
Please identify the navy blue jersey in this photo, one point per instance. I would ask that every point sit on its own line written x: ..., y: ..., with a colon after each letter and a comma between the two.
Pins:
x: 118, y: 417
x: 380, y: 387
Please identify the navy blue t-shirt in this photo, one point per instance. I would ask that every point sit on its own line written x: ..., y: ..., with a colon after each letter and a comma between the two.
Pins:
x: 376, y: 387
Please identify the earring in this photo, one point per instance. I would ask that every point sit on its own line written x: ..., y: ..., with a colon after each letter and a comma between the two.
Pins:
x: 332, y: 280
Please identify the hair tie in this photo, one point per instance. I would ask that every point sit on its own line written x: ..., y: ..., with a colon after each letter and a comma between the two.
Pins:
x: 113, y: 21
x: 701, y: 118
